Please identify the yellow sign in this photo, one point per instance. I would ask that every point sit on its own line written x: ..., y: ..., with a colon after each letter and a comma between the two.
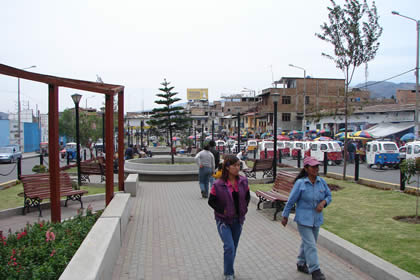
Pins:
x: 197, y: 93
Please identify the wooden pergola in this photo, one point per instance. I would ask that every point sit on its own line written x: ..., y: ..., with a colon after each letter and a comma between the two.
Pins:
x: 53, y: 138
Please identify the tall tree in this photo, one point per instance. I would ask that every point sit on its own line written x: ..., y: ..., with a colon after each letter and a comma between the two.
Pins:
x: 169, y: 117
x: 353, y: 31
x: 90, y: 126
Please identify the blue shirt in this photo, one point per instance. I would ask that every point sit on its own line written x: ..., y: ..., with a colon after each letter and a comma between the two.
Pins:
x: 307, y: 196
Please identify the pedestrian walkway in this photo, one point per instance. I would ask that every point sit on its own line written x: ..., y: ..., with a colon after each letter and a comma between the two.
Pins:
x: 172, y: 235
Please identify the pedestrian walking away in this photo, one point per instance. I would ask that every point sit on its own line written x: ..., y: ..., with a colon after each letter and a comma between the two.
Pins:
x: 205, y: 161
x: 311, y: 195
x: 229, y: 197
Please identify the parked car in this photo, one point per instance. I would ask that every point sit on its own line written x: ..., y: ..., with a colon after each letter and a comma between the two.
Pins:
x: 9, y: 154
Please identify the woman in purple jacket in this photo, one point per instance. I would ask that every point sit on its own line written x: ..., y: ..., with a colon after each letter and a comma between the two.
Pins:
x: 229, y: 197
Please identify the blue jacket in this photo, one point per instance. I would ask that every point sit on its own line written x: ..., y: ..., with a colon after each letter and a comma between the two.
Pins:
x: 307, y: 196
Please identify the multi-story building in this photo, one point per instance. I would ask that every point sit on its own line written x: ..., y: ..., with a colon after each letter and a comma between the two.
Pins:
x: 320, y: 93
x: 406, y: 96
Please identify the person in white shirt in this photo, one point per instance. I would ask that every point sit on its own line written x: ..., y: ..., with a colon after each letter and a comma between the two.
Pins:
x: 205, y: 161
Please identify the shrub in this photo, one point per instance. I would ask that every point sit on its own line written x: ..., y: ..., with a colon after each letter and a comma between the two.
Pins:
x: 39, y: 169
x: 43, y: 250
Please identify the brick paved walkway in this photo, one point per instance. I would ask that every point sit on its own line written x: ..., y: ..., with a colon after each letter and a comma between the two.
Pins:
x: 172, y: 235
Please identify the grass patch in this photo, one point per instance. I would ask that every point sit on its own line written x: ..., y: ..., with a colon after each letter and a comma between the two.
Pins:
x: 363, y: 216
x: 9, y: 198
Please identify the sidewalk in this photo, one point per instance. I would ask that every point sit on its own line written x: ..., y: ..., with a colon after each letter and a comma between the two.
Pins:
x: 172, y: 235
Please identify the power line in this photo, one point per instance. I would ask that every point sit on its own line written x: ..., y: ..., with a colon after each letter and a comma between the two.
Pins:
x: 366, y: 85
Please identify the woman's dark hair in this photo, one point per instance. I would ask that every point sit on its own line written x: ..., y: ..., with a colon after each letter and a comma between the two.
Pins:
x: 302, y: 174
x: 206, y: 147
x: 228, y: 161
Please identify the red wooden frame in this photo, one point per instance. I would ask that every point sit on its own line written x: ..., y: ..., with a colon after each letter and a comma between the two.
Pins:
x: 54, y: 162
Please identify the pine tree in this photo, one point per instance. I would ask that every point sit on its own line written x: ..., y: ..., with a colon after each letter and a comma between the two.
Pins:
x: 353, y: 31
x: 169, y: 117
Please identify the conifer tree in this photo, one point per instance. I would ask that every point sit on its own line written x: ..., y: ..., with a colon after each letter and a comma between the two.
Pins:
x: 169, y: 117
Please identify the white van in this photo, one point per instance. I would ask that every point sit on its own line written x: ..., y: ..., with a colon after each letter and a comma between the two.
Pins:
x: 382, y: 153
x: 252, y: 144
x: 412, y: 150
x: 220, y: 145
x: 262, y: 147
x: 333, y: 150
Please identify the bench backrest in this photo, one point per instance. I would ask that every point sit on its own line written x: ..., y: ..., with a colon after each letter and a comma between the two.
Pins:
x: 87, y: 167
x: 263, y: 164
x: 40, y: 182
x: 284, y: 182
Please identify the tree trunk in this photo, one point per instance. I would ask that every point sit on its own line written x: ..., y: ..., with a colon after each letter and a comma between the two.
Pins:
x: 172, y: 144
x: 345, y: 124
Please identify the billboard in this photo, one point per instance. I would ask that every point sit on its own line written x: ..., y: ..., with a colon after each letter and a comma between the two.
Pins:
x: 197, y: 93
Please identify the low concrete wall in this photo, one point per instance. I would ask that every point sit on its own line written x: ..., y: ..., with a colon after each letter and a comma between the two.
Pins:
x: 130, y: 184
x: 98, y: 253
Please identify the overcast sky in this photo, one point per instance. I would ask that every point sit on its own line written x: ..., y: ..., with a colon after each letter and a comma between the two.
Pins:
x: 222, y: 45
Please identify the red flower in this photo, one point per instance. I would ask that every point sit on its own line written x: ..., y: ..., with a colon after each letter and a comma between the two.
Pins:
x: 52, y: 253
x: 50, y: 236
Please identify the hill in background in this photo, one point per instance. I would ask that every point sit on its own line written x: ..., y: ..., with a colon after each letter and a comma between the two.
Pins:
x: 384, y: 89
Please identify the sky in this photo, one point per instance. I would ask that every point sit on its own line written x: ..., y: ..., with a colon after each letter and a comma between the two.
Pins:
x: 221, y: 45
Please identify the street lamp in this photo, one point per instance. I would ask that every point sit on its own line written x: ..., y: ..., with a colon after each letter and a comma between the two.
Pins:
x: 416, y: 113
x: 76, y: 99
x: 239, y: 129
x: 304, y: 95
x: 19, y: 139
x: 275, y: 96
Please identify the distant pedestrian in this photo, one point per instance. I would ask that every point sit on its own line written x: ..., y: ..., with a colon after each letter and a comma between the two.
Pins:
x: 216, y: 156
x: 129, y: 152
x: 205, y: 161
x: 311, y: 195
x: 351, y: 149
x: 229, y: 197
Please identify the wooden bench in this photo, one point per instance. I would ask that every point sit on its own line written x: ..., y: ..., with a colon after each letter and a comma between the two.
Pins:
x: 91, y: 168
x: 36, y: 187
x: 279, y: 195
x: 265, y: 165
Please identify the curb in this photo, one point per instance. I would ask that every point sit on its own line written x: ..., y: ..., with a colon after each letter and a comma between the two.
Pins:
x: 367, y: 262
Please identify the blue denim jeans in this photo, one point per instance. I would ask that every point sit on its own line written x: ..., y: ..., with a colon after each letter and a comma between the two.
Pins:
x: 230, y: 236
x: 204, y: 175
x: 307, y: 252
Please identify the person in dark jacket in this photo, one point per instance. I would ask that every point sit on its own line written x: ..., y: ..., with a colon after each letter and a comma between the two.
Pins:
x: 351, y: 149
x: 229, y: 197
x: 129, y: 152
x: 216, y: 156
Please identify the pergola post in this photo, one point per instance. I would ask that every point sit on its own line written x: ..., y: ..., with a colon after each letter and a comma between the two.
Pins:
x: 109, y: 149
x: 121, y: 141
x: 54, y: 161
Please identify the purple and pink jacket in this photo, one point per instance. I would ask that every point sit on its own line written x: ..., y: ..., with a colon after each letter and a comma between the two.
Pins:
x: 222, y: 200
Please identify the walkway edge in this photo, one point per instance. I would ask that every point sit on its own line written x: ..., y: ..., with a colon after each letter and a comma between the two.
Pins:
x: 367, y: 262
x: 99, y: 251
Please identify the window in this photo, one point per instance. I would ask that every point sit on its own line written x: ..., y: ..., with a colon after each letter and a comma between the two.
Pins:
x: 285, y: 99
x: 306, y: 100
x: 409, y: 149
x: 324, y: 147
x: 416, y: 149
x: 313, y: 147
x: 374, y: 148
x: 368, y: 148
x: 285, y: 117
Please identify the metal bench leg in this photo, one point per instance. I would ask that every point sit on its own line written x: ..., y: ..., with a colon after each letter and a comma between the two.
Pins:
x: 259, y: 202
x: 278, y: 209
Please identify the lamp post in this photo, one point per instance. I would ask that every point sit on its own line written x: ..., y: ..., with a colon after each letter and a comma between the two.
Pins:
x: 304, y: 95
x: 275, y: 96
x: 239, y: 129
x: 19, y: 139
x: 76, y: 99
x: 416, y: 112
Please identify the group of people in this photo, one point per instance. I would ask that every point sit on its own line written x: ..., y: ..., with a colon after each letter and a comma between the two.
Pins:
x: 229, y: 197
x: 133, y: 150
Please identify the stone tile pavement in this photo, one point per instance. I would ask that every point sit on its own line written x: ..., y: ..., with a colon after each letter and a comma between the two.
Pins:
x: 172, y: 235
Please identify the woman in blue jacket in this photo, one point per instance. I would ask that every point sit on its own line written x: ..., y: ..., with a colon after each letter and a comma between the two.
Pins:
x: 311, y: 195
x: 229, y: 197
